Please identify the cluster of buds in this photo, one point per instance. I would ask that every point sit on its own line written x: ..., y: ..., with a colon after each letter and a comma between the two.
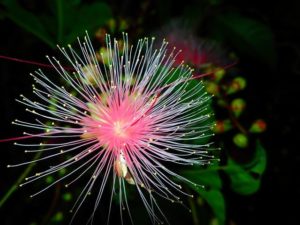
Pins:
x: 226, y: 86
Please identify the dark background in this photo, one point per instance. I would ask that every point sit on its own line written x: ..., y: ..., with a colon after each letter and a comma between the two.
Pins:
x: 273, y: 95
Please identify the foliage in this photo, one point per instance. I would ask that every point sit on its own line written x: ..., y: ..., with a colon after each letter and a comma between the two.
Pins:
x: 246, y: 179
x: 247, y: 36
x: 61, y: 24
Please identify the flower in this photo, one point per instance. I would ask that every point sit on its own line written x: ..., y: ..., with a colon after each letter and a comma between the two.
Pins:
x: 197, y: 52
x: 125, y: 119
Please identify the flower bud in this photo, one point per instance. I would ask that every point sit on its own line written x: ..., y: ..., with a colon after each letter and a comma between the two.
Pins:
x: 237, y: 106
x: 222, y: 126
x: 67, y: 197
x: 212, y: 88
x: 238, y: 83
x: 219, y: 74
x: 240, y: 140
x: 58, y: 217
x: 258, y: 126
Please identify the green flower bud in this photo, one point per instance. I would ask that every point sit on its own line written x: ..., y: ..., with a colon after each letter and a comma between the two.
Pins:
x: 240, y: 140
x: 67, y: 197
x: 238, y: 83
x: 219, y: 74
x: 258, y: 126
x: 111, y: 24
x: 123, y: 25
x: 49, y: 179
x: 237, y: 106
x: 212, y: 88
x: 58, y: 217
x: 62, y: 172
x: 222, y: 126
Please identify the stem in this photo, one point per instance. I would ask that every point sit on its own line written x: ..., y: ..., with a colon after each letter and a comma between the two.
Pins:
x: 14, y: 187
x: 193, y: 211
x: 25, y: 61
x: 33, y: 63
x: 237, y: 124
x: 53, y: 204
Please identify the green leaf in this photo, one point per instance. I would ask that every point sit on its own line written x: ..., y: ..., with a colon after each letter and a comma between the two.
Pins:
x: 215, y: 200
x: 247, y: 35
x: 208, y: 177
x: 67, y: 20
x: 242, y: 182
x: 85, y: 18
x: 260, y: 162
x: 27, y: 20
x: 246, y: 180
x: 195, y: 89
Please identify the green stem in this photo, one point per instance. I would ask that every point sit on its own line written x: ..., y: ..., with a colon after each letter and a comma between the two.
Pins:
x: 237, y: 124
x: 53, y: 205
x: 193, y: 211
x: 14, y: 187
x: 233, y: 119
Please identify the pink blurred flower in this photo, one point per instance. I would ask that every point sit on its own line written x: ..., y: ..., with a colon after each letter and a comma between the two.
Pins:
x: 194, y: 51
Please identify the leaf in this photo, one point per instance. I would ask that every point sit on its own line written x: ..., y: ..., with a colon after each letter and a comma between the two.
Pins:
x: 260, y: 162
x: 241, y: 181
x: 246, y: 180
x: 27, y: 20
x: 68, y: 19
x: 207, y: 177
x: 85, y: 18
x: 210, y: 178
x: 215, y: 200
x: 195, y: 89
x: 247, y: 35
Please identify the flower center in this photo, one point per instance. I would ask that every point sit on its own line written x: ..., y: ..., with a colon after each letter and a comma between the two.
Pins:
x: 119, y: 124
x: 119, y: 129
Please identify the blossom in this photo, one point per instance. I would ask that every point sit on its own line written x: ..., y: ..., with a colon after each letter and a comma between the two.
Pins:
x: 124, y: 120
x: 197, y: 52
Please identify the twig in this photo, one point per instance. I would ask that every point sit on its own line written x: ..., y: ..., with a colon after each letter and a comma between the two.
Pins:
x: 14, y: 187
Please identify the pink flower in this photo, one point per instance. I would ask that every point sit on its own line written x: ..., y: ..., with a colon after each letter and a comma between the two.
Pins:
x: 127, y: 119
x: 195, y: 51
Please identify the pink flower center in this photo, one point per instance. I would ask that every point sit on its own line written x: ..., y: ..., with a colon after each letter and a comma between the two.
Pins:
x: 120, y: 129
x: 116, y: 125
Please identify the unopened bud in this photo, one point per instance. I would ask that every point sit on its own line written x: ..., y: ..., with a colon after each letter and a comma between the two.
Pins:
x: 222, y: 126
x: 219, y: 74
x: 212, y: 88
x: 258, y: 126
x: 238, y: 83
x: 240, y: 140
x: 237, y: 106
